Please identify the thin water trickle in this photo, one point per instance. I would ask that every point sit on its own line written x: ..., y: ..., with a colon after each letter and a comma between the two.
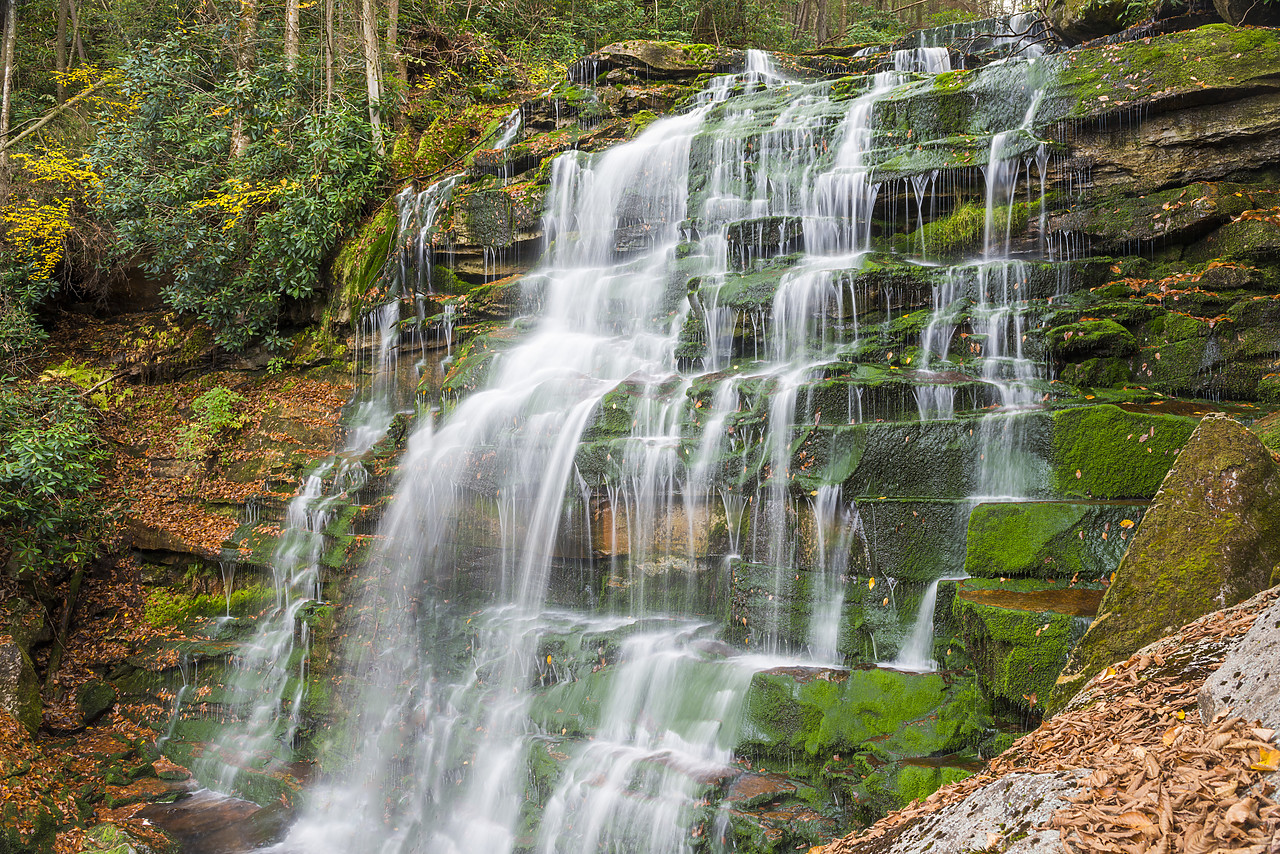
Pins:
x: 916, y: 654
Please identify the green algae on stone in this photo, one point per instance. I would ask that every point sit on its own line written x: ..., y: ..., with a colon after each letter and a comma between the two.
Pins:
x: 1048, y: 539
x: 1108, y: 452
x: 1210, y: 539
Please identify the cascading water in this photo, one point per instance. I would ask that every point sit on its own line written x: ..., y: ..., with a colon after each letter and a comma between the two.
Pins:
x: 917, y: 653
x: 492, y: 635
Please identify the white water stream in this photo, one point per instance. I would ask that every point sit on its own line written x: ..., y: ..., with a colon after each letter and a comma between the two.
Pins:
x: 466, y: 667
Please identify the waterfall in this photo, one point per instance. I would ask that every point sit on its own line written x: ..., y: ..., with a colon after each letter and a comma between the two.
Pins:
x: 269, y: 675
x: 916, y: 654
x: 548, y: 650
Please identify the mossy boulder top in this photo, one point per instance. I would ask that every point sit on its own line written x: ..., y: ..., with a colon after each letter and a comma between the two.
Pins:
x: 1210, y: 539
x: 662, y: 59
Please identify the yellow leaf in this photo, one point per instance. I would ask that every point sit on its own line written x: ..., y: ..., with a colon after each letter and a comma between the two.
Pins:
x: 1268, y: 760
x: 871, y: 584
x: 1126, y: 523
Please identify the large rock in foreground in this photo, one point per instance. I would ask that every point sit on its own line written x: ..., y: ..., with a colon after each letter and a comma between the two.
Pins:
x: 1211, y: 539
x: 19, y: 689
x: 1245, y: 684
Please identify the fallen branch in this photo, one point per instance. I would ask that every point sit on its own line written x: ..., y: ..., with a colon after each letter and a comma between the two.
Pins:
x: 48, y: 117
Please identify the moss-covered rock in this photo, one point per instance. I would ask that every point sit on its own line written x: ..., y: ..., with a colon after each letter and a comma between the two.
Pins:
x: 1018, y: 635
x: 820, y: 712
x: 1091, y: 338
x: 359, y: 262
x: 19, y: 688
x: 1210, y: 539
x: 1109, y: 452
x: 1048, y: 540
x: 93, y: 698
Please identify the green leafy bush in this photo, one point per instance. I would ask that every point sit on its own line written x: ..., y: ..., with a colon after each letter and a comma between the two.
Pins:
x: 212, y: 412
x: 50, y: 467
x: 238, y: 235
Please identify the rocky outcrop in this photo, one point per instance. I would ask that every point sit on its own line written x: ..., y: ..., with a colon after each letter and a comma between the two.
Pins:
x: 1210, y: 539
x: 19, y: 689
x: 1246, y: 683
x: 1207, y: 100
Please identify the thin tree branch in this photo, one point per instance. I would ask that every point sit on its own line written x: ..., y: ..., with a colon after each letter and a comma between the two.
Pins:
x: 48, y: 117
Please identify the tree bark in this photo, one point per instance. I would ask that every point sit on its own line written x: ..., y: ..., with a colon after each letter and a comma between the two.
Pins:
x: 393, y: 39
x: 60, y: 50
x: 328, y: 51
x: 75, y: 31
x: 369, y: 31
x: 292, y: 33
x: 246, y: 35
x: 6, y: 58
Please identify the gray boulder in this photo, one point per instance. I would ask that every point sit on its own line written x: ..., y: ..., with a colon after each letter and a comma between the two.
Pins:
x: 1248, y: 682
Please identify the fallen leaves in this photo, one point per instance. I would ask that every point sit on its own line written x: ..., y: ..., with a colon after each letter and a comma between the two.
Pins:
x: 1159, y: 779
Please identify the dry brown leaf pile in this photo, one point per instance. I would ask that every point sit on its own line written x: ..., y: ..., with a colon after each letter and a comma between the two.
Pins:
x: 1162, y: 780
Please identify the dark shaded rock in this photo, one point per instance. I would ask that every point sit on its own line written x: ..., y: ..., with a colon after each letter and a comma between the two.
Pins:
x: 93, y: 698
x: 19, y: 689
x: 1248, y: 13
x: 1246, y: 682
x: 1079, y: 20
x: 1211, y: 539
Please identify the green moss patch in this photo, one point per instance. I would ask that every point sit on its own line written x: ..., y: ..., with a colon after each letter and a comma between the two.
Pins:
x: 1107, y: 452
x: 1048, y: 539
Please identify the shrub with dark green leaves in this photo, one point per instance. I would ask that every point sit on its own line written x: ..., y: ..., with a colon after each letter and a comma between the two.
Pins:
x: 237, y: 235
x: 50, y: 467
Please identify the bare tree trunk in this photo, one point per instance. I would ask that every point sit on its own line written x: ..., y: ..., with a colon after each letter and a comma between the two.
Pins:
x: 329, y: 58
x: 369, y: 32
x: 60, y: 50
x: 6, y: 58
x: 844, y: 19
x: 820, y: 26
x: 291, y: 35
x: 75, y: 31
x: 393, y: 39
x: 246, y: 35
